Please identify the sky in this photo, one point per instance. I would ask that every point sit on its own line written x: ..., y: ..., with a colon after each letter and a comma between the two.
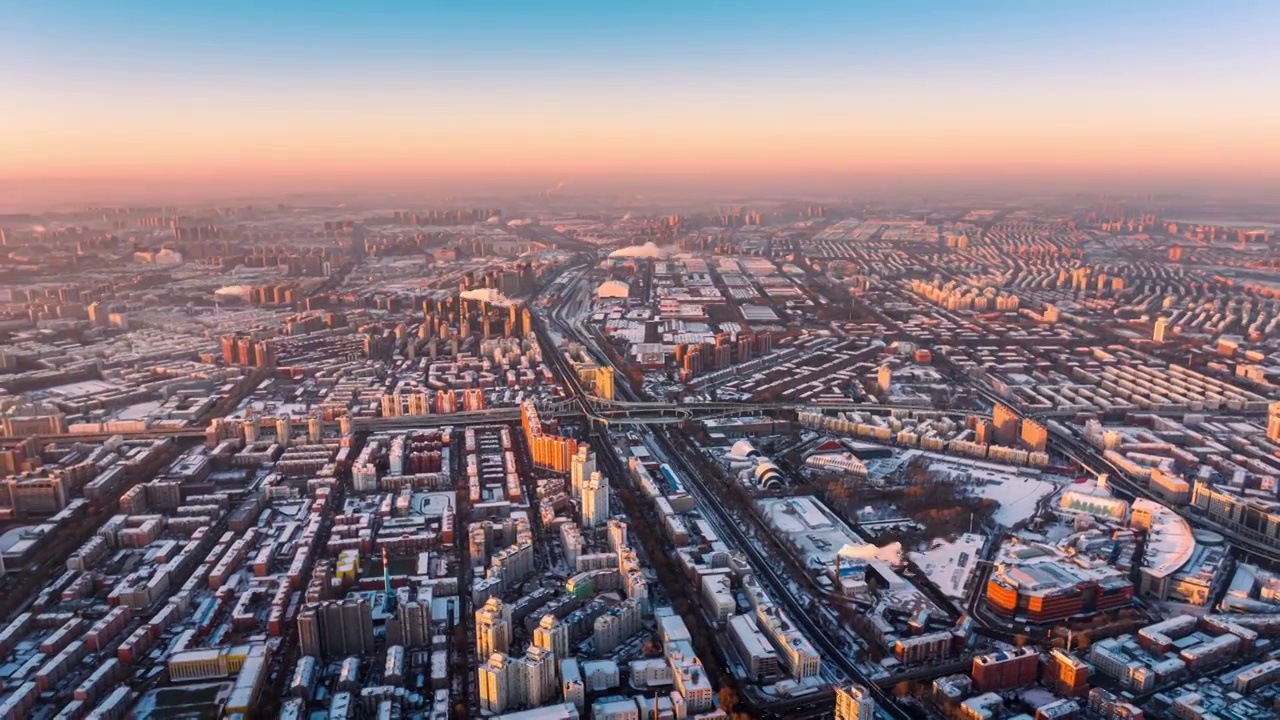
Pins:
x: 306, y: 92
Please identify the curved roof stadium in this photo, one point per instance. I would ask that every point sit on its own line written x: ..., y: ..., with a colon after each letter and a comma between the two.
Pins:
x: 613, y: 289
x: 647, y: 251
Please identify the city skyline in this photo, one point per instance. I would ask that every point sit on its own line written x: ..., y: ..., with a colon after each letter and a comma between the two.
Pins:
x: 311, y: 97
x: 709, y: 360
x: 565, y: 457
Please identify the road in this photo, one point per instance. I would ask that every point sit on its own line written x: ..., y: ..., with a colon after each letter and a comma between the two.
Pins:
x: 1090, y: 459
x: 765, y: 569
x: 771, y: 578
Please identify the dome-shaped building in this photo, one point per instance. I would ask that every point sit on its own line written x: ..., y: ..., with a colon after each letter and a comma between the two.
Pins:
x: 742, y: 450
x: 613, y: 290
x: 647, y: 251
x: 768, y: 476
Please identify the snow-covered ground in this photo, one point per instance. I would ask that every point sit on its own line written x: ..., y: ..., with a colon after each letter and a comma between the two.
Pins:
x: 950, y: 564
x: 1037, y: 697
x: 1017, y: 496
x: 816, y: 532
x: 138, y: 411
x: 1052, y: 534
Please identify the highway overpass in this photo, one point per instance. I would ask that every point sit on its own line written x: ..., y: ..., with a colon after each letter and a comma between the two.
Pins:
x: 612, y: 412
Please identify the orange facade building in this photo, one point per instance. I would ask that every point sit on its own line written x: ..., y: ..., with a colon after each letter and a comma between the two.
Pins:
x: 550, y: 452
x: 1038, y: 583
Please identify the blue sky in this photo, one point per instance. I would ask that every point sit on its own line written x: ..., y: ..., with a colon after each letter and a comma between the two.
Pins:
x: 114, y: 83
x: 697, y: 40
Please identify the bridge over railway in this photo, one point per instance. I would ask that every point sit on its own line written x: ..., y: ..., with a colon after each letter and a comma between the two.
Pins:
x: 625, y: 412
x: 619, y: 412
x: 612, y: 412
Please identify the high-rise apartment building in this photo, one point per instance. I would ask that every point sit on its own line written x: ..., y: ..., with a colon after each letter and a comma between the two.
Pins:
x: 617, y: 535
x: 493, y: 628
x: 616, y: 625
x: 419, y: 404
x: 391, y: 405
x: 604, y: 383
x: 1273, y: 422
x: 284, y: 430
x: 336, y: 628
x: 541, y: 682
x: 1006, y: 423
x: 1161, y: 330
x: 244, y: 350
x: 507, y: 682
x: 552, y: 635
x: 309, y: 631
x: 264, y: 354
x: 854, y: 702
x: 229, y: 350
x: 496, y: 676
x: 1035, y: 436
x: 595, y: 500
x: 354, y: 633
x: 315, y: 428
x: 411, y: 626
x: 581, y: 468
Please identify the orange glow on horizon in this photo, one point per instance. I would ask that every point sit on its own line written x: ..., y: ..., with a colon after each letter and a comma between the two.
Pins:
x: 288, y: 143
